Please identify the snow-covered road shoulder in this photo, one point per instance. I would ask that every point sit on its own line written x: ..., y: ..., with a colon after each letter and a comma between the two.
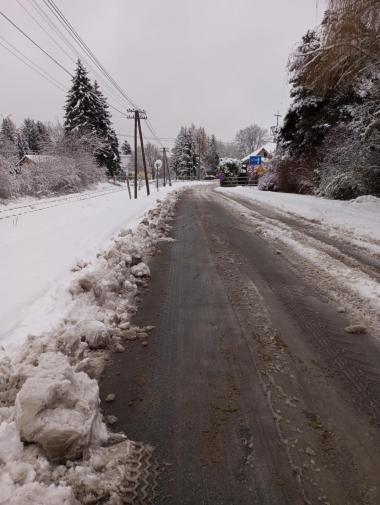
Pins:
x: 41, y: 241
x: 342, y: 261
x: 55, y: 447
x: 358, y: 219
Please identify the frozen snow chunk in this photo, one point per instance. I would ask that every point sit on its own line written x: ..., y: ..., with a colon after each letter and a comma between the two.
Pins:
x: 136, y: 258
x: 38, y: 494
x: 10, y: 444
x: 86, y: 283
x: 94, y: 333
x: 92, y: 366
x: 58, y: 409
x: 366, y: 199
x: 140, y: 270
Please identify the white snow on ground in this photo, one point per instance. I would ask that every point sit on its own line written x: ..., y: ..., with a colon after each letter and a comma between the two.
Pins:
x: 42, y: 240
x: 360, y: 216
x: 54, y: 446
x: 343, y: 274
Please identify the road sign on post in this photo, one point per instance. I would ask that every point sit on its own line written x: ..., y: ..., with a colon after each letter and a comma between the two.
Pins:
x: 157, y: 166
x: 255, y: 160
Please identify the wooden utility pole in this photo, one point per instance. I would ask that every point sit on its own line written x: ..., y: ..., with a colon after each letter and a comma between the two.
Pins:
x: 136, y: 115
x: 166, y: 165
x: 275, y: 130
x: 143, y: 155
x: 135, y: 178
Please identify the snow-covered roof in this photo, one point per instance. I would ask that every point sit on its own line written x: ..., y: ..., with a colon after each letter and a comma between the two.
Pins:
x: 270, y: 148
x: 38, y: 158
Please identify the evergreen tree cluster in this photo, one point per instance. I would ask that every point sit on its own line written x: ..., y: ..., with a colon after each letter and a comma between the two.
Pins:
x: 31, y: 138
x: 330, y: 138
x: 87, y: 113
x: 194, y: 153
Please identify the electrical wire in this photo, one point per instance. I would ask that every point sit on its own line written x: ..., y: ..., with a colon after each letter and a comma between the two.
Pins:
x: 45, y: 31
x: 34, y: 43
x: 68, y: 26
x: 46, y: 77
x: 74, y: 51
x: 74, y: 34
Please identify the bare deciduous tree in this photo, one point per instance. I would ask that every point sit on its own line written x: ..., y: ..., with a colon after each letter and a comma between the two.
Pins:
x: 249, y: 139
x: 349, y: 47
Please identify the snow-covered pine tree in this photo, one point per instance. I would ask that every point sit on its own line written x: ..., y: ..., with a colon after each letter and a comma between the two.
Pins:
x: 108, y: 154
x: 82, y: 104
x: 86, y: 112
x: 211, y: 156
x: 31, y: 136
x: 126, y: 148
x: 8, y: 138
x: 44, y: 137
x: 183, y: 160
x: 22, y: 146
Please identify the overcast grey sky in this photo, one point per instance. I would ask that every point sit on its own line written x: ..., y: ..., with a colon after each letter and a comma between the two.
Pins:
x: 216, y: 63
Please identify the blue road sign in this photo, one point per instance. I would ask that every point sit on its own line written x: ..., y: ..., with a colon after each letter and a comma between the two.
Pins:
x: 255, y: 160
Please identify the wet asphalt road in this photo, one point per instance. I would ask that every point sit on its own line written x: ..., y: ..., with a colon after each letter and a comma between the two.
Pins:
x: 249, y: 390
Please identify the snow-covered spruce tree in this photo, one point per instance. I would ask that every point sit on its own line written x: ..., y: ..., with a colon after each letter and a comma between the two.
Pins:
x: 126, y: 148
x: 8, y: 138
x: 22, y: 146
x: 32, y: 136
x: 108, y: 155
x: 86, y: 112
x: 82, y: 104
x: 183, y: 160
x: 43, y: 134
x: 211, y: 156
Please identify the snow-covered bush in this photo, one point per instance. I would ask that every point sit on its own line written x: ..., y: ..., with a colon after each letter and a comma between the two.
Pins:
x: 342, y: 185
x: 230, y: 167
x: 351, y: 164
x: 289, y: 175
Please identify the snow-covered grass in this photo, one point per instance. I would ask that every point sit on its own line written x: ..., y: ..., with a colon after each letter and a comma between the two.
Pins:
x: 42, y: 240
x: 359, y: 217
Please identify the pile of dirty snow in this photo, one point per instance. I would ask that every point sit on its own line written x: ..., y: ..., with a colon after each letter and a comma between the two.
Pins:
x: 55, y: 447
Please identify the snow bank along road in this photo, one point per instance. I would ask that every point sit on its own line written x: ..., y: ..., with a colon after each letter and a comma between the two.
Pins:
x: 41, y: 240
x: 261, y: 380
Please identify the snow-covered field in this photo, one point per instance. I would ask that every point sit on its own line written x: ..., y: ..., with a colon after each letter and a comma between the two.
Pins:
x: 49, y: 394
x: 42, y: 240
x: 360, y: 217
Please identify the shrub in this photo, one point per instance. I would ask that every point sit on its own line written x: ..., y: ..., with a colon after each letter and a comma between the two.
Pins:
x: 289, y: 176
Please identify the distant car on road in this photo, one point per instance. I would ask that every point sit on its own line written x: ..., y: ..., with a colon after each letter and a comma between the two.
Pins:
x: 209, y: 177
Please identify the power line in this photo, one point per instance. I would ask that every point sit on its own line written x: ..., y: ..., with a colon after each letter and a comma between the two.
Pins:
x: 35, y: 43
x: 45, y: 31
x: 74, y: 34
x: 49, y: 79
x: 146, y: 137
x: 76, y: 53
x: 47, y: 54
